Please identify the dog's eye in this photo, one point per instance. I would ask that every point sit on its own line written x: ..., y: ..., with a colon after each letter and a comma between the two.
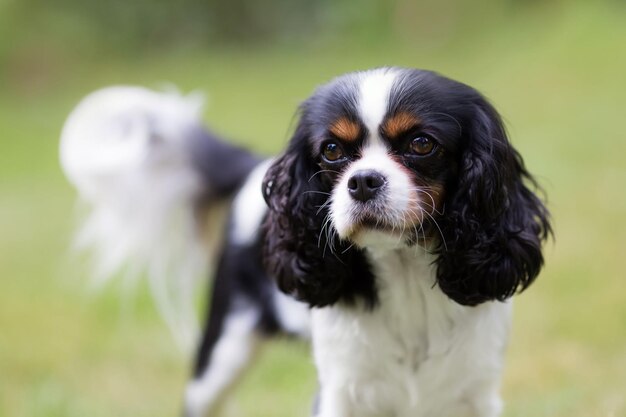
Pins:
x: 332, y: 152
x: 422, y: 145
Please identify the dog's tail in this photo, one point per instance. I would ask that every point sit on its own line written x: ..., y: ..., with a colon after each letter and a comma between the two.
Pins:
x: 154, y: 186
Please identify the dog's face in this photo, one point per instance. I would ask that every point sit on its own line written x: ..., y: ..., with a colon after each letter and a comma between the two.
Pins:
x: 386, y: 148
x: 400, y: 157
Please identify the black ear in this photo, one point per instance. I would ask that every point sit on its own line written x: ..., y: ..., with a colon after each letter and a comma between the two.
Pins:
x: 299, y: 249
x: 494, y: 224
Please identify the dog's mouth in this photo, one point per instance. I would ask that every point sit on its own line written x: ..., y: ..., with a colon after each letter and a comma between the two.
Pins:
x: 367, y: 222
x: 403, y: 218
x: 367, y: 228
x: 374, y: 223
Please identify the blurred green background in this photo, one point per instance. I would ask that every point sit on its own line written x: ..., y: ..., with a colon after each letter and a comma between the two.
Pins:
x: 555, y: 69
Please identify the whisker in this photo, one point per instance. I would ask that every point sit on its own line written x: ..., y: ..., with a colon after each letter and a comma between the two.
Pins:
x: 433, y: 206
x: 432, y: 199
x: 443, y: 240
x: 315, y: 192
x: 413, y: 212
x: 325, y: 231
x: 319, y: 172
x: 323, y: 206
x: 421, y: 228
x: 348, y: 248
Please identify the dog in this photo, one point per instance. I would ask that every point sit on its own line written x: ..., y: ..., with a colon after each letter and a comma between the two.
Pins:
x: 392, y: 232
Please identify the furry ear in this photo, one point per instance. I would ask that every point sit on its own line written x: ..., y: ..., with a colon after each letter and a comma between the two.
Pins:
x: 494, y: 224
x: 297, y: 248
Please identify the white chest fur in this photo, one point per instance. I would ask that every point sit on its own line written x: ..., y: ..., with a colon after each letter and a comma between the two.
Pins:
x: 417, y: 354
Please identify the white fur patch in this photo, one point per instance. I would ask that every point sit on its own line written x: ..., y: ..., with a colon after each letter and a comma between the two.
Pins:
x: 232, y: 353
x: 418, y: 354
x: 374, y: 89
x: 249, y: 207
x: 294, y: 316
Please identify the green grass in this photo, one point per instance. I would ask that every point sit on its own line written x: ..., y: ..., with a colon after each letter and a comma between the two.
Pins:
x: 556, y: 76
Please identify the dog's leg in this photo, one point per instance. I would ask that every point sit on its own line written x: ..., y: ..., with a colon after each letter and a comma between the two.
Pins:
x: 228, y: 345
x: 231, y: 354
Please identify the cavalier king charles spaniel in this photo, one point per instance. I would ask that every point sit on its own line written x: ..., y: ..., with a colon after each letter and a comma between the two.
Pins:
x: 391, y: 232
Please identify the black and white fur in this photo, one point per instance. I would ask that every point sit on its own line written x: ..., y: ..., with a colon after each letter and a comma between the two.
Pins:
x: 408, y: 285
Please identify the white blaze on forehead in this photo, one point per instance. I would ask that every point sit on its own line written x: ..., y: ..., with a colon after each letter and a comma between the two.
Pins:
x: 374, y: 89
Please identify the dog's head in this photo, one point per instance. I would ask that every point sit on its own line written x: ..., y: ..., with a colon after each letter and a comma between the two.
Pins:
x: 401, y: 157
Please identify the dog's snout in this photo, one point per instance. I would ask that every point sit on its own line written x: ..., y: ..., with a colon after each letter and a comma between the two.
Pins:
x: 364, y: 185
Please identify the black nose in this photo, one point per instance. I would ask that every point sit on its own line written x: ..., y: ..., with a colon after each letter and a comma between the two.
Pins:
x: 364, y: 185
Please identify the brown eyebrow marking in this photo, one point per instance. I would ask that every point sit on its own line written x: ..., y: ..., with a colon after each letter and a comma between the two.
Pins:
x: 346, y: 129
x: 399, y: 123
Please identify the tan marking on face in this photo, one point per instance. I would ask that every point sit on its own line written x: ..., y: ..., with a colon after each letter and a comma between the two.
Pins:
x: 430, y: 198
x: 426, y: 195
x: 399, y: 123
x: 426, y: 204
x: 346, y: 129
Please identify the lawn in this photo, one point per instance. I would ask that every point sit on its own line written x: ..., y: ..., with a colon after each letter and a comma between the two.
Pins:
x: 558, y: 79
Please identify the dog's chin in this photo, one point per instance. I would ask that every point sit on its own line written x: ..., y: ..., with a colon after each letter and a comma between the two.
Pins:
x: 377, y: 234
x: 379, y: 239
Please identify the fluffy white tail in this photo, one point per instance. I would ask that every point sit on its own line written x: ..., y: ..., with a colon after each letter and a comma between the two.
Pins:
x: 127, y: 151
